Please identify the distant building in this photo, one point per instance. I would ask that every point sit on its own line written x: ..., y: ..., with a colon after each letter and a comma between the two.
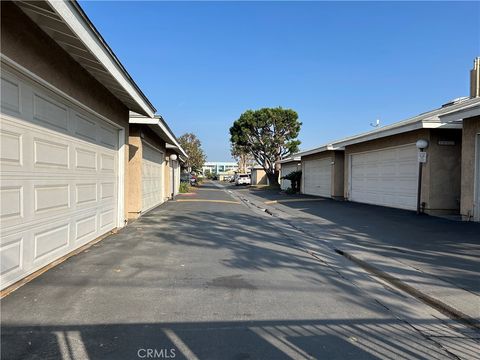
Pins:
x: 258, y: 176
x: 218, y: 168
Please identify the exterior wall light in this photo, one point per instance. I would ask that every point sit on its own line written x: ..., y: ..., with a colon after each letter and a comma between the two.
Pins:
x: 421, y: 145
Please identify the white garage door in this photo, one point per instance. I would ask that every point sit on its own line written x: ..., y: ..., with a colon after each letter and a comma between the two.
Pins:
x: 152, y: 177
x: 59, y: 177
x: 317, y: 177
x: 385, y: 177
x: 287, y: 169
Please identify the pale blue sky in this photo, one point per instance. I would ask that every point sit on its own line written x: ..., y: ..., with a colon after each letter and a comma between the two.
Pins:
x: 340, y: 65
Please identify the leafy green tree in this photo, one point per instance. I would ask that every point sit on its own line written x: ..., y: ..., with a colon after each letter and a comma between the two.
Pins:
x: 208, y: 174
x: 242, y: 156
x: 268, y: 134
x: 193, y: 147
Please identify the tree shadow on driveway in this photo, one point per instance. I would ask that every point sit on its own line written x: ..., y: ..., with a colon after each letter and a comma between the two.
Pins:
x: 109, y: 302
x: 447, y: 249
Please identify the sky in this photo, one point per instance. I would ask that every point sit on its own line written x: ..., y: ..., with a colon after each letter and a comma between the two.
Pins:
x: 339, y: 65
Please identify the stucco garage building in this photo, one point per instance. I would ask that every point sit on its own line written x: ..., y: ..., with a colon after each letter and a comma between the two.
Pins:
x: 64, y: 132
x: 288, y: 166
x: 322, y: 172
x: 258, y: 176
x: 381, y: 166
x: 153, y: 162
x: 470, y: 174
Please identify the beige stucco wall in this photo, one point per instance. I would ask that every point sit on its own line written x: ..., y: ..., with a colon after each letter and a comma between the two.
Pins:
x: 134, y: 169
x: 338, y: 181
x: 337, y: 158
x: 471, y: 127
x: 134, y: 192
x: 259, y: 177
x: 445, y: 171
x: 26, y: 44
x: 441, y: 173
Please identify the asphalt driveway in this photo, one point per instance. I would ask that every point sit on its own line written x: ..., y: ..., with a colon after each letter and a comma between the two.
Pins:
x: 446, y: 249
x: 205, y: 278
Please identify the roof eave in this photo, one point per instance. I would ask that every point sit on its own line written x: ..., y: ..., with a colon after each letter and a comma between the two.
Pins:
x: 329, y: 147
x: 290, y: 159
x: 425, y: 124
x: 70, y: 22
x: 161, y: 130
x: 461, y: 114
x: 430, y: 120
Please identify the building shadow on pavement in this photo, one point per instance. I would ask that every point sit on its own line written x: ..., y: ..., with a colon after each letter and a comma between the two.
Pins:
x: 297, y: 339
x: 253, y: 244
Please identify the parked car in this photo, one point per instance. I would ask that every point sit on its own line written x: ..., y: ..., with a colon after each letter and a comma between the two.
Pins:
x: 188, y: 178
x: 185, y: 178
x: 193, y: 180
x: 243, y: 179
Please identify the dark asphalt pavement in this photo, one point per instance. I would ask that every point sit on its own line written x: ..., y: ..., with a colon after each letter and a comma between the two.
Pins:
x: 204, y: 277
x: 446, y: 249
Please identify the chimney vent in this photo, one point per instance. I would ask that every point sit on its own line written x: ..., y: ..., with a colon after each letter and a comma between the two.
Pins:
x: 475, y: 79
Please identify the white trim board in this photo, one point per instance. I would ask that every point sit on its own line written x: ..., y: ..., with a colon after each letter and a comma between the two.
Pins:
x: 75, y: 22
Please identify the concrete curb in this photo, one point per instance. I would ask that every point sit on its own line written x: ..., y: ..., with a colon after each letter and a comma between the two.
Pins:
x: 399, y: 284
x: 435, y: 303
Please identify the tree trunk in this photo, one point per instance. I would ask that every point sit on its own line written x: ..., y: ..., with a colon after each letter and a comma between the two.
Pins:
x: 273, y: 178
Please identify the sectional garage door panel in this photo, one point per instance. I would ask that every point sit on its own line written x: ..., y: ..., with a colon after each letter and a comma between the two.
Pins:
x: 152, y: 177
x: 317, y: 177
x: 59, y: 178
x: 385, y: 177
x: 287, y: 169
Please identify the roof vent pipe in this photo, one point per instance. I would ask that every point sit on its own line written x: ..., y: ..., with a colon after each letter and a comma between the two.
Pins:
x: 475, y: 79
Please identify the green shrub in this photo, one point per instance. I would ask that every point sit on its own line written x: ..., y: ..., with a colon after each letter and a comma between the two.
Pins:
x: 295, y: 178
x: 184, y: 187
